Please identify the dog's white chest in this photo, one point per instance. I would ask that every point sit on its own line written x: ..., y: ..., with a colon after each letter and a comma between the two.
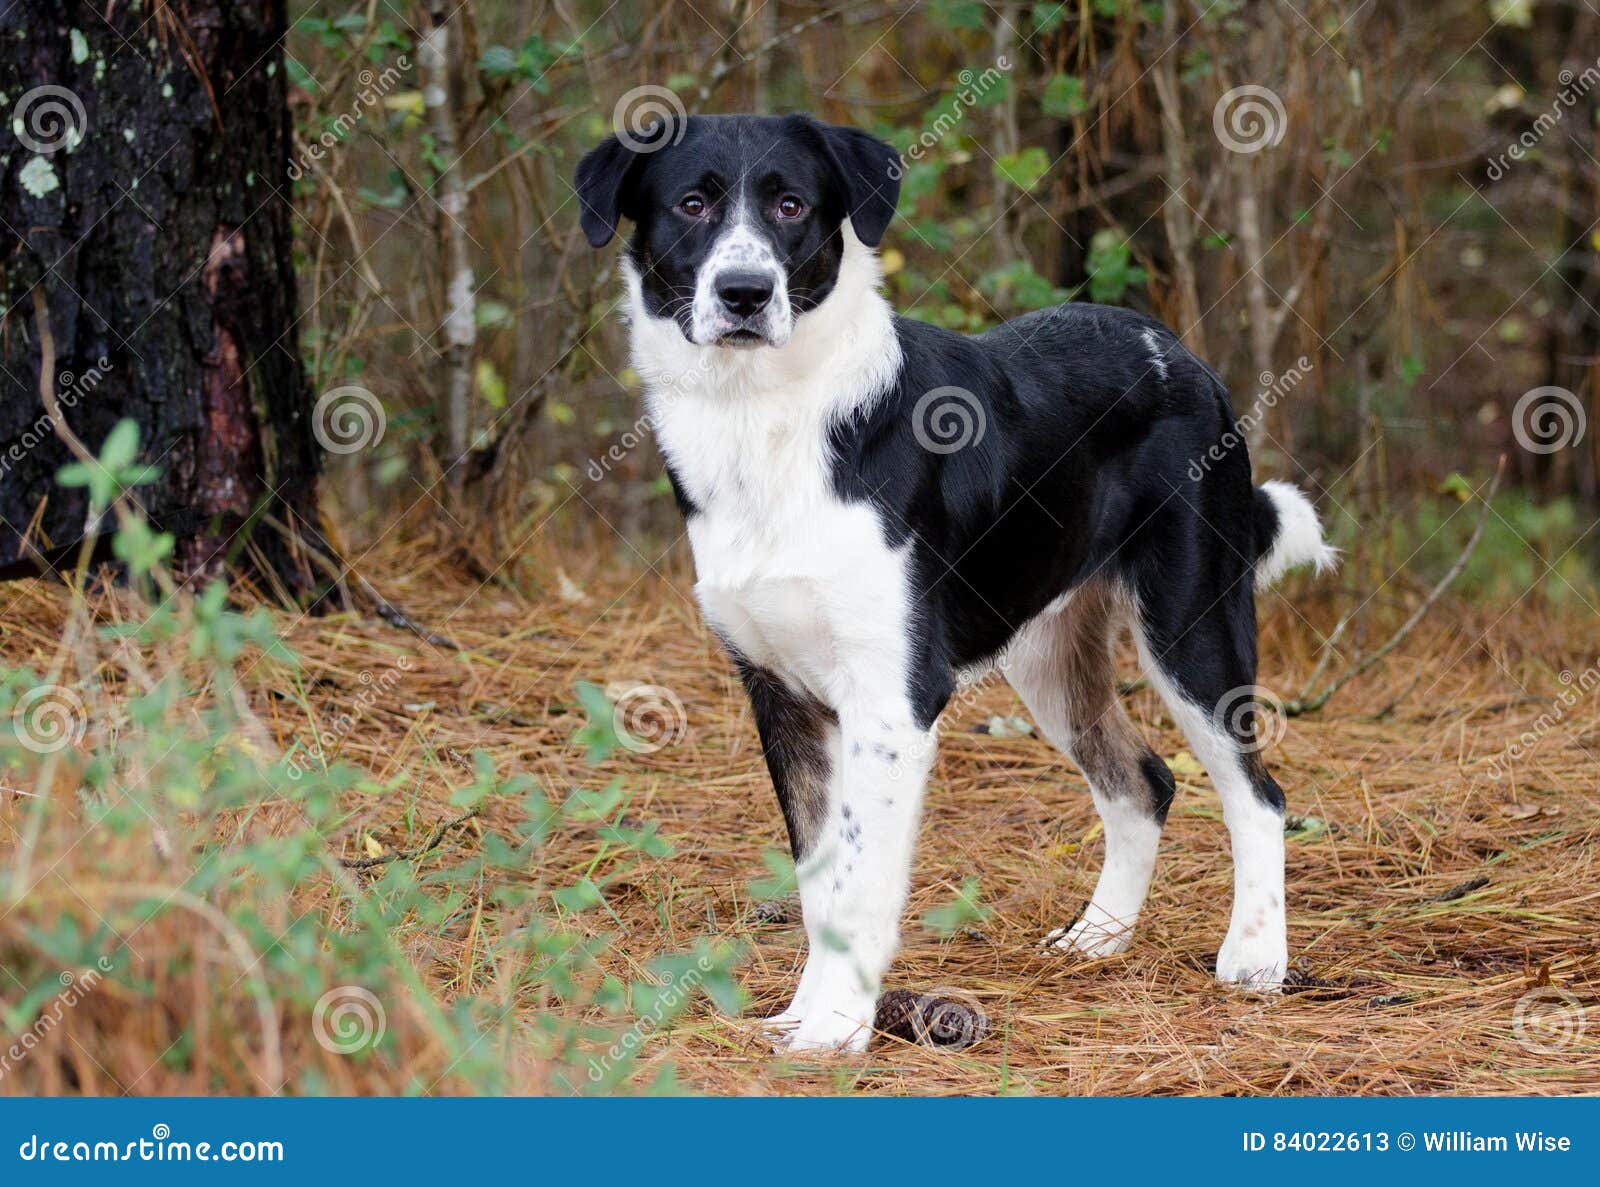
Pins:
x: 794, y: 578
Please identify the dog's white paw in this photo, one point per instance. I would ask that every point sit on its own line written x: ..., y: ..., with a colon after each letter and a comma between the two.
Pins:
x: 779, y: 1026
x: 830, y: 1030
x: 833, y: 1021
x: 1254, y: 961
x: 1093, y: 935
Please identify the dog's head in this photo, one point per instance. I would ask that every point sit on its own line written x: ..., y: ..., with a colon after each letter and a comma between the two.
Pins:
x: 738, y: 219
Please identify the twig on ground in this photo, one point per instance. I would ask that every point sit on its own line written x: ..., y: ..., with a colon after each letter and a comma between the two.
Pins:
x: 385, y: 609
x: 435, y: 838
x: 1366, y: 663
x: 1457, y: 892
x: 394, y: 616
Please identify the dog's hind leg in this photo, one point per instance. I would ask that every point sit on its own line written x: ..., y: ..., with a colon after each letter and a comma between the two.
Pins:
x: 1198, y: 647
x: 1060, y: 664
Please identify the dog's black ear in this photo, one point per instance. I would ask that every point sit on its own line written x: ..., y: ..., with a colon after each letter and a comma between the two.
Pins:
x: 871, y: 172
x: 600, y: 182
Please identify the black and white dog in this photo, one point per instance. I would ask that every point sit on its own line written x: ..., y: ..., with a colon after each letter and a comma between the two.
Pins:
x: 879, y: 508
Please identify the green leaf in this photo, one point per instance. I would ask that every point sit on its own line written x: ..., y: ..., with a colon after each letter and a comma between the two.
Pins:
x: 1048, y: 17
x: 958, y: 14
x: 299, y: 75
x: 1018, y: 287
x: 1024, y: 169
x: 599, y: 736
x: 781, y: 879
x: 74, y: 474
x: 490, y: 383
x: 141, y: 548
x: 1304, y: 826
x: 492, y: 314
x: 580, y: 896
x: 1111, y: 268
x: 121, y: 445
x: 587, y: 805
x: 1064, y: 97
x: 954, y: 916
x: 497, y: 61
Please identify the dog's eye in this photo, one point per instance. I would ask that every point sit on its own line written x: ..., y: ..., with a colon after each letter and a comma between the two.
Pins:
x: 790, y: 207
x: 693, y: 205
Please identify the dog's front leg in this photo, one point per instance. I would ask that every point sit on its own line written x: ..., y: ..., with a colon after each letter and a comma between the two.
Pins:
x: 854, y: 880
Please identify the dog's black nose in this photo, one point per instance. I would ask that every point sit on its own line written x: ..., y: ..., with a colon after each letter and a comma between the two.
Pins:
x: 744, y: 293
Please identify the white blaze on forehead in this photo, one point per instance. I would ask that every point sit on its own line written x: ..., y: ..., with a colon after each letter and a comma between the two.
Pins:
x: 741, y: 247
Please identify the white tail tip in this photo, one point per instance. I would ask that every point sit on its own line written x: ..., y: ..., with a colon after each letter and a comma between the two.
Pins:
x: 1298, y: 540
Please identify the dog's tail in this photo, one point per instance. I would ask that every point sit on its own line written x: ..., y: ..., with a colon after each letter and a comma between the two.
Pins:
x: 1287, y: 533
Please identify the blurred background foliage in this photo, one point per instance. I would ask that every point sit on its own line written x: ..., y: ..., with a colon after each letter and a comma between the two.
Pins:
x: 1416, y: 242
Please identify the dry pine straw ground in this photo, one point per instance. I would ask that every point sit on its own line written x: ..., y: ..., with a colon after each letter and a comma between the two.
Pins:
x: 1425, y: 896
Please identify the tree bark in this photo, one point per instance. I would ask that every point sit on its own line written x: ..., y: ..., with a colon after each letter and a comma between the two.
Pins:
x: 438, y: 49
x: 144, y: 189
x: 1176, y: 214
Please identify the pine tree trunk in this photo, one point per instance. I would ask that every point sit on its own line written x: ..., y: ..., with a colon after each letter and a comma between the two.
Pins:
x: 143, y: 187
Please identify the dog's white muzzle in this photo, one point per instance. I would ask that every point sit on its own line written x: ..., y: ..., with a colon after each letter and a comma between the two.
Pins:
x: 741, y: 295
